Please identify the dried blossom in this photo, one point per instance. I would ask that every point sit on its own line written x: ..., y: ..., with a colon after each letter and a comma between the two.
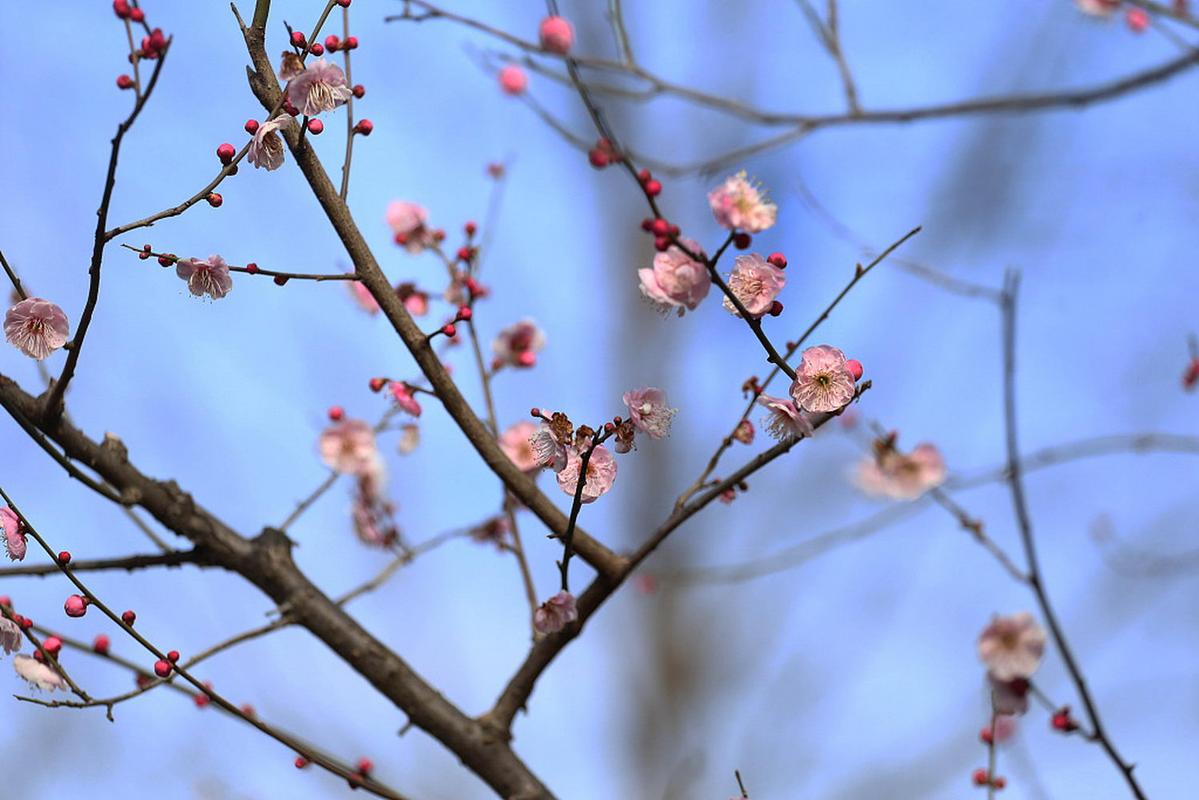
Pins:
x: 10, y: 636
x: 744, y: 432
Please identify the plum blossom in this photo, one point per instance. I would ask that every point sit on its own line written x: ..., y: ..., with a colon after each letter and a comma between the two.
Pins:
x: 518, y: 344
x: 349, y: 447
x: 494, y: 530
x: 601, y: 473
x: 901, y: 476
x: 676, y: 281
x: 14, y: 537
x: 10, y: 635
x: 744, y: 432
x: 785, y: 420
x: 1011, y: 647
x: 36, y: 327
x: 409, y: 223
x: 39, y: 675
x: 517, y: 445
x: 739, y: 205
x: 549, y: 443
x: 823, y: 382
x: 363, y: 297
x: 555, y: 613
x: 649, y: 412
x: 405, y: 398
x: 1097, y: 8
x: 319, y: 88
x: 371, y: 512
x: 266, y: 148
x: 756, y: 283
x: 209, y: 277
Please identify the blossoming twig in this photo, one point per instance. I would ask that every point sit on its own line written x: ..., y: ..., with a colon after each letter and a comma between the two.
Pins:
x: 284, y: 738
x: 175, y: 558
x: 252, y: 269
x: 1024, y: 522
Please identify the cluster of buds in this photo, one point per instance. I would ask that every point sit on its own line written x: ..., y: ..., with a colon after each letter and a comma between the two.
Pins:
x: 125, y: 11
x: 983, y: 778
x: 154, y: 45
x: 649, y: 184
x: 662, y: 230
x: 1062, y: 722
x: 604, y: 154
x: 333, y: 44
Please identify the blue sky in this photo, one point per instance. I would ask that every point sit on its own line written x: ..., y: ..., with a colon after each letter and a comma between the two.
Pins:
x: 852, y: 676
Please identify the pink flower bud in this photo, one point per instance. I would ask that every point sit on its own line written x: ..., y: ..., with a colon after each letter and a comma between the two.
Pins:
x: 855, y: 368
x: 75, y: 606
x: 513, y: 80
x: 556, y: 35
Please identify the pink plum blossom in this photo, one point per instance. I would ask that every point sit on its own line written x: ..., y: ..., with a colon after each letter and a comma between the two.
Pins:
x: 785, y: 420
x: 14, y: 537
x: 405, y: 398
x: 822, y: 383
x: 601, y: 473
x: 409, y: 224
x: 555, y: 613
x: 756, y: 283
x: 744, y: 432
x: 349, y: 447
x: 10, y: 635
x: 548, y: 448
x: 494, y: 530
x: 676, y: 280
x: 649, y: 411
x: 556, y: 34
x: 518, y: 344
x: 36, y: 327
x: 739, y: 205
x: 901, y: 476
x: 415, y: 301
x: 513, y: 80
x: 209, y: 277
x: 516, y: 444
x: 363, y: 297
x: 319, y: 88
x: 39, y: 675
x: 266, y: 148
x: 1011, y: 647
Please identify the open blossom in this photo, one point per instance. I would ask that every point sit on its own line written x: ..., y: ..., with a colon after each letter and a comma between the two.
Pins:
x: 676, y: 280
x: 409, y: 223
x: 363, y: 297
x: 549, y: 446
x: 1097, y: 8
x: 36, y: 327
x: 901, y: 476
x: 519, y: 344
x: 319, y: 88
x: 14, y: 537
x: 415, y: 301
x: 1011, y: 647
x: 823, y: 382
x: 739, y: 205
x: 756, y: 283
x: 39, y: 675
x: 649, y: 412
x: 556, y: 613
x: 266, y: 148
x: 349, y: 447
x: 517, y: 445
x: 10, y: 635
x: 785, y: 420
x: 409, y: 439
x: 405, y: 398
x: 209, y: 277
x: 601, y: 473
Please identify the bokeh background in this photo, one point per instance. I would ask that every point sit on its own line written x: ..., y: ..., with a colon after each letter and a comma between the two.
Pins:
x: 853, y: 675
